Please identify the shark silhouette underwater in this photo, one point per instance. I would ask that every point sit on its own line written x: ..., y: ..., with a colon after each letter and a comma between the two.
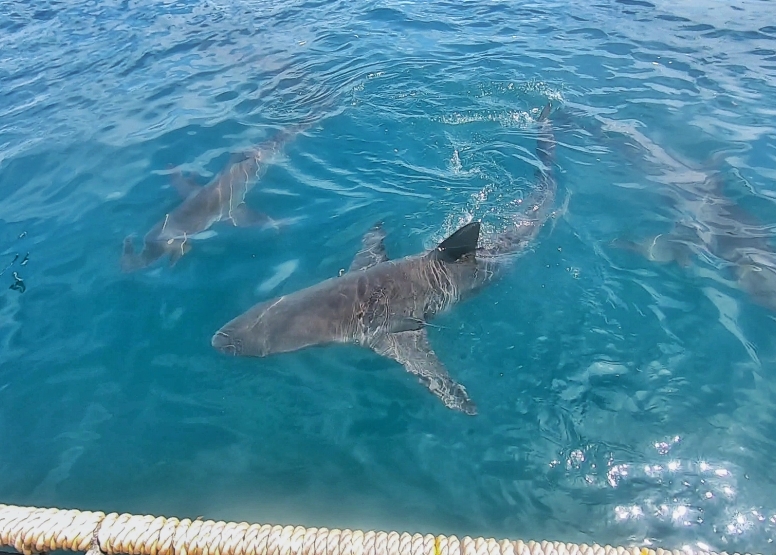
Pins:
x: 221, y: 200
x: 708, y: 223
x: 384, y: 304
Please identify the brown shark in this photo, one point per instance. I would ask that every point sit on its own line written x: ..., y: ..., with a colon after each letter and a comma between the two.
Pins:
x: 384, y: 304
x: 221, y: 200
x: 709, y: 223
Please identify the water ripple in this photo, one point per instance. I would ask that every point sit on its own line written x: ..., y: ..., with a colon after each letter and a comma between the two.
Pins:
x: 622, y: 400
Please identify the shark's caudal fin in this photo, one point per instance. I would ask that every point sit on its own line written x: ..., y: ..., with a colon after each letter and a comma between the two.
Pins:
x: 412, y: 350
x: 461, y: 243
x: 536, y: 207
x: 545, y: 142
x: 372, y: 249
x: 545, y: 112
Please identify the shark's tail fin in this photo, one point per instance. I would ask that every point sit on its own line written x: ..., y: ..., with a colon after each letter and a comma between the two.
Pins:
x: 543, y: 196
x: 323, y: 110
x: 545, y: 142
x: 281, y: 138
x: 538, y: 204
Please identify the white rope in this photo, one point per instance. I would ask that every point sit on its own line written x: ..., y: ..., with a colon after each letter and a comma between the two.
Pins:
x: 31, y: 530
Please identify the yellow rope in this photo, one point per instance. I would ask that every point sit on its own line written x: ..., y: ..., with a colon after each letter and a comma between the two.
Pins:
x: 31, y: 530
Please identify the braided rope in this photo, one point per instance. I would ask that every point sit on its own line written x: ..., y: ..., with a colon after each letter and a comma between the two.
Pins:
x: 31, y: 530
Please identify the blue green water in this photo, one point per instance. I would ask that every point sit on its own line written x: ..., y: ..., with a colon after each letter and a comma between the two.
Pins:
x: 620, y: 400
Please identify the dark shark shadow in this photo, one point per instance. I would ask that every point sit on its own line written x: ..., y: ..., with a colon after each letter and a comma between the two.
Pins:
x: 385, y: 304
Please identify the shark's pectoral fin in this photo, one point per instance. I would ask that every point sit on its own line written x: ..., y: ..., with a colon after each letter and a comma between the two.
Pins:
x: 242, y: 216
x: 372, y: 249
x: 184, y: 185
x: 412, y: 350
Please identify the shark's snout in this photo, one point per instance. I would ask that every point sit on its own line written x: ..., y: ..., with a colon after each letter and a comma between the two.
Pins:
x: 222, y: 341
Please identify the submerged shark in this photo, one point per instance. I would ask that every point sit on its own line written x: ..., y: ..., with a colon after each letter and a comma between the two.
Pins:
x: 708, y: 223
x: 384, y: 304
x: 221, y: 200
x: 720, y: 227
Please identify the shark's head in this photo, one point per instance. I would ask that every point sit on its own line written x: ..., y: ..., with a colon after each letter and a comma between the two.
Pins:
x: 153, y: 250
x: 282, y: 325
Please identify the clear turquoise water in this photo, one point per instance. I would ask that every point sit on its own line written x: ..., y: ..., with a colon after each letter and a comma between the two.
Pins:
x: 620, y: 401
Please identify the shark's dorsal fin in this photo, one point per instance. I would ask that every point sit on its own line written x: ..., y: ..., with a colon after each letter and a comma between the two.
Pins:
x: 372, y: 249
x: 461, y: 243
x: 184, y: 185
x: 411, y: 350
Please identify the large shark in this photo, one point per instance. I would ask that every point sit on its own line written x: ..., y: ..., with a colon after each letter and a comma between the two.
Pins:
x: 385, y: 304
x: 221, y: 200
x: 708, y: 222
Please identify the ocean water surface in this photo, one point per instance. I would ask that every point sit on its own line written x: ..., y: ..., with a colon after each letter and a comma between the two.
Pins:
x: 621, y: 400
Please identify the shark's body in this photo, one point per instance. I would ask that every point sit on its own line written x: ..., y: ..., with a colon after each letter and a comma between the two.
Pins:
x: 708, y: 223
x: 221, y: 200
x: 384, y: 304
